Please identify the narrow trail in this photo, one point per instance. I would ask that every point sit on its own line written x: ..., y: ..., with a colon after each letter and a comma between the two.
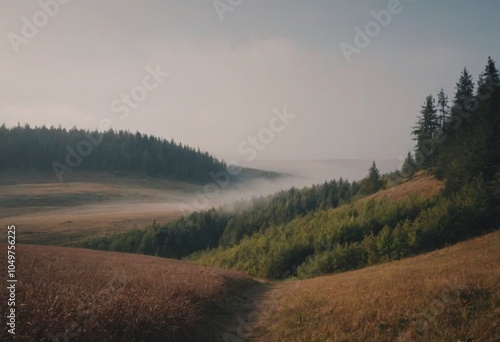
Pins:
x: 251, y: 319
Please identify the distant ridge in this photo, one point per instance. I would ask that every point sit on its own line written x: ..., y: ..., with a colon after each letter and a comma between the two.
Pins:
x: 23, y: 148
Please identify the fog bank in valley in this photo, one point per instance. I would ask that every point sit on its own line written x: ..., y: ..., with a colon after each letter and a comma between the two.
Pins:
x: 295, y: 173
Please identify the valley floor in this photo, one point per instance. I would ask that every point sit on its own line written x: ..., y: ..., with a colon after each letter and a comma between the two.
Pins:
x: 87, y: 205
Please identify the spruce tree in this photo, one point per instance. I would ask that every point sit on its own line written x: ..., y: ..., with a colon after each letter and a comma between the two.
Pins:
x: 425, y: 131
x: 463, y: 102
x: 409, y: 166
x: 487, y: 121
x: 443, y: 108
x: 473, y: 149
x: 374, y: 181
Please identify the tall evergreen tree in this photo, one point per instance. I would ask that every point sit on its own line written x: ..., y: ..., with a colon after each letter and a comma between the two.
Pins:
x: 463, y: 102
x: 473, y: 148
x: 372, y: 183
x: 443, y: 108
x: 487, y: 123
x: 425, y: 131
x: 464, y: 90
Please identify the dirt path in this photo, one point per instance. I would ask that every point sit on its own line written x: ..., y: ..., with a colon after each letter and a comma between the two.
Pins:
x: 251, y: 319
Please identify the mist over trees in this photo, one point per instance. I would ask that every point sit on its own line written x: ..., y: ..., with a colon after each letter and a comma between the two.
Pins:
x: 230, y: 224
x: 295, y: 233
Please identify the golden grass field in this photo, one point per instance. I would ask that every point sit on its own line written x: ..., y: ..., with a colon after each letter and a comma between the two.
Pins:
x: 451, y: 294
x: 88, y: 204
x: 87, y: 295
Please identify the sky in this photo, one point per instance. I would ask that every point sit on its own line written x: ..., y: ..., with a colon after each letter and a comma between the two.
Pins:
x: 244, y: 80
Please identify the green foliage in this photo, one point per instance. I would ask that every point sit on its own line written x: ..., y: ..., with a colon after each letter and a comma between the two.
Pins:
x: 358, y: 235
x: 323, y: 242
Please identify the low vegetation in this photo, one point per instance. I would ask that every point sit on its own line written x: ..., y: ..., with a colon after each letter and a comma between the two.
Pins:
x: 357, y: 235
x: 228, y: 225
x: 79, y: 295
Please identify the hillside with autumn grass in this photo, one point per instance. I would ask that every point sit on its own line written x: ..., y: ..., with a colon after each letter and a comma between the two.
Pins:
x: 67, y: 294
x: 452, y: 294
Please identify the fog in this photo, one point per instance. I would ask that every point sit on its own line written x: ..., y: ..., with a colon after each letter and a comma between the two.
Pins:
x: 296, y: 174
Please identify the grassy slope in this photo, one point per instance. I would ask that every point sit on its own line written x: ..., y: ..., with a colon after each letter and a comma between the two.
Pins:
x: 451, y: 294
x: 109, y: 296
x: 421, y: 183
x: 48, y: 212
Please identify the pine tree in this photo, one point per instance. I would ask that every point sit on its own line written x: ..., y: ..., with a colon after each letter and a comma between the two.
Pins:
x: 473, y: 147
x: 425, y: 132
x: 372, y: 183
x: 463, y: 102
x: 487, y: 123
x: 409, y: 166
x: 444, y: 109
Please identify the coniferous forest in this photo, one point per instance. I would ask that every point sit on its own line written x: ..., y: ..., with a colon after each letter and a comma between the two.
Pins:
x: 60, y: 151
x: 296, y: 232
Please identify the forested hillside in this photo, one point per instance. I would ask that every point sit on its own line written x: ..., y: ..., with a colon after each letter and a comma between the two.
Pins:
x: 299, y: 232
x: 228, y: 225
x: 462, y: 141
x: 356, y: 235
x: 60, y: 151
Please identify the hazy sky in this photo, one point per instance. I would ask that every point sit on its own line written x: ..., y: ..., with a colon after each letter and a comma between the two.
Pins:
x: 227, y: 76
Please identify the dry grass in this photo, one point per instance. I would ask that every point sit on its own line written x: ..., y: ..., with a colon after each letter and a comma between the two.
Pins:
x: 105, y: 296
x: 448, y: 295
x: 89, y: 204
x: 60, y: 227
x: 423, y: 183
